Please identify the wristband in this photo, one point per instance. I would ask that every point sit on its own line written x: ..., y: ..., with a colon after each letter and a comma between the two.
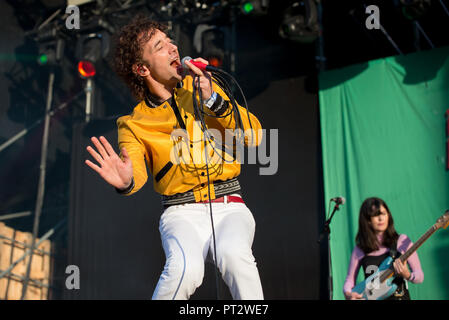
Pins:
x: 128, y: 189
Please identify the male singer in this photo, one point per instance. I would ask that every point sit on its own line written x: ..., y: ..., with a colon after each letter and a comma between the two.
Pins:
x: 148, y: 61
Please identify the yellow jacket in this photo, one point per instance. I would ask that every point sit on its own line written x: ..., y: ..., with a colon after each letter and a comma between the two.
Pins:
x: 177, y: 161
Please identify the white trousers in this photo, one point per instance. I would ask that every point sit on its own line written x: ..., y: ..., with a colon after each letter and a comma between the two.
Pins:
x: 186, y: 235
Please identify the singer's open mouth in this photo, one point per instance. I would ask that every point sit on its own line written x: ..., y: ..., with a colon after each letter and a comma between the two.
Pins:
x: 175, y: 63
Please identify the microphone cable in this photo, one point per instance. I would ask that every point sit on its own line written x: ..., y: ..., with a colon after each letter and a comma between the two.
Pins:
x: 199, y: 113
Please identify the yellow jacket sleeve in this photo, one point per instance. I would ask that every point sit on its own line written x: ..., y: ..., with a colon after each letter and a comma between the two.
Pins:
x: 136, y: 151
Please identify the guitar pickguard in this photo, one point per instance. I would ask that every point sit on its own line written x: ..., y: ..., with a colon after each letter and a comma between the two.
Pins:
x: 372, y: 288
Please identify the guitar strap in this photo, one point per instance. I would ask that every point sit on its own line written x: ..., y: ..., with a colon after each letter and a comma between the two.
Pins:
x: 402, y: 290
x: 394, y: 253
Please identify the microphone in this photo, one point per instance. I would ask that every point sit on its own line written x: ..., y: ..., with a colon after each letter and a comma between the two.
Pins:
x: 198, y: 64
x: 339, y: 200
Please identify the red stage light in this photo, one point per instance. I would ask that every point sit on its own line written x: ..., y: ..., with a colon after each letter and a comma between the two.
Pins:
x: 86, y: 69
x: 215, y: 62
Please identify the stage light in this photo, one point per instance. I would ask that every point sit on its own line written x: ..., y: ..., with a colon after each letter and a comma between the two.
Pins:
x: 50, y: 52
x: 215, y: 61
x: 91, y: 48
x: 414, y: 9
x: 86, y: 69
x: 255, y: 7
x: 213, y: 46
x: 300, y: 22
x: 42, y: 59
x: 247, y: 7
x: 209, y: 42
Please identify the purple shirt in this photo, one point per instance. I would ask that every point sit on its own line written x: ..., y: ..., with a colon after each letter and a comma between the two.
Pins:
x: 404, y: 243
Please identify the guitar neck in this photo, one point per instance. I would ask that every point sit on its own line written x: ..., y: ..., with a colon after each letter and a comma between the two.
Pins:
x: 409, y: 252
x: 418, y: 244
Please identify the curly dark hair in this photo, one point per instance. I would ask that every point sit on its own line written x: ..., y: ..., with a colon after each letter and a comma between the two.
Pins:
x: 129, y: 50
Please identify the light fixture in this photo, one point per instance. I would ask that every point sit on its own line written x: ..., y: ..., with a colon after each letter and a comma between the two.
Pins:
x: 414, y: 9
x: 86, y: 69
x: 213, y: 46
x: 300, y: 22
x: 209, y: 42
x: 255, y: 7
x: 91, y: 48
x: 50, y: 52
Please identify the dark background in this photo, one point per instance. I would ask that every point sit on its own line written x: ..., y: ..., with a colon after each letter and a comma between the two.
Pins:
x: 115, y: 240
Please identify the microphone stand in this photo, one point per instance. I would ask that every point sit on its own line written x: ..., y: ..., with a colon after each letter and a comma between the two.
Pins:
x: 41, y: 185
x: 327, y: 230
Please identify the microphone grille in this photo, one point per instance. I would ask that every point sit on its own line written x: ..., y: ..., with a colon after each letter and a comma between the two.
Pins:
x: 183, y: 61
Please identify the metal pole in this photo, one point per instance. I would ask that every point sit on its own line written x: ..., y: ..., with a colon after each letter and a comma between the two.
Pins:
x: 25, y: 245
x: 17, y: 136
x: 15, y: 215
x: 35, y: 282
x: 27, y: 130
x: 89, y: 98
x: 444, y: 7
x: 387, y: 35
x: 321, y: 59
x: 416, y: 37
x: 41, y: 185
x: 329, y: 257
x: 424, y: 34
x: 390, y: 39
x: 233, y: 39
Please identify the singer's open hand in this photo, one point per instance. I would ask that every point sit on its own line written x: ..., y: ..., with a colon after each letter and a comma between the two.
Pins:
x: 205, y: 83
x: 112, y: 169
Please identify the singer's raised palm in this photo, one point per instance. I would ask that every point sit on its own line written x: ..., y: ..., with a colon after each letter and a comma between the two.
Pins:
x: 114, y: 170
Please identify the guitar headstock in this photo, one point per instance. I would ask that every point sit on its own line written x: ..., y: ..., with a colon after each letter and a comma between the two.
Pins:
x: 443, y: 221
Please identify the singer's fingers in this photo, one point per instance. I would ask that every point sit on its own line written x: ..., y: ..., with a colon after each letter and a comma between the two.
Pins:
x: 93, y: 166
x: 100, y: 147
x: 207, y: 74
x: 201, y: 60
x: 107, y: 146
x: 194, y: 68
x: 95, y: 155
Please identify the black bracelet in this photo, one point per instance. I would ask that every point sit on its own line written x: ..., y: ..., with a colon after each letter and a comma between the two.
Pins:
x: 128, y: 189
x: 219, y: 106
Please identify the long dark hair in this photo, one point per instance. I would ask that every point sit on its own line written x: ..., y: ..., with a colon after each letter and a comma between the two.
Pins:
x: 366, y: 238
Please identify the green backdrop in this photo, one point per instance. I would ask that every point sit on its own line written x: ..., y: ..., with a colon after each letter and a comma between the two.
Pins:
x: 383, y: 132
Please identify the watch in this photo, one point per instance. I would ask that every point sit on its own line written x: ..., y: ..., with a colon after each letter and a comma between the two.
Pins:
x: 210, y: 102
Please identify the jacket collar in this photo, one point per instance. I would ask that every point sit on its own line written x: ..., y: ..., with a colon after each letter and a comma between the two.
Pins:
x: 153, y: 102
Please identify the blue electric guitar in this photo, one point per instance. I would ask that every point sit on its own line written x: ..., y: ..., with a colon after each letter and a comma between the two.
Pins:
x: 379, y: 285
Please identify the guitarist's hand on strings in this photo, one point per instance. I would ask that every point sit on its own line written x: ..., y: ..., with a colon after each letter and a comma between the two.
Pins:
x: 205, y: 79
x: 401, y: 269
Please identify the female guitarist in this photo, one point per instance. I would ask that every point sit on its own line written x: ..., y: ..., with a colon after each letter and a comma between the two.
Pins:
x: 376, y: 240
